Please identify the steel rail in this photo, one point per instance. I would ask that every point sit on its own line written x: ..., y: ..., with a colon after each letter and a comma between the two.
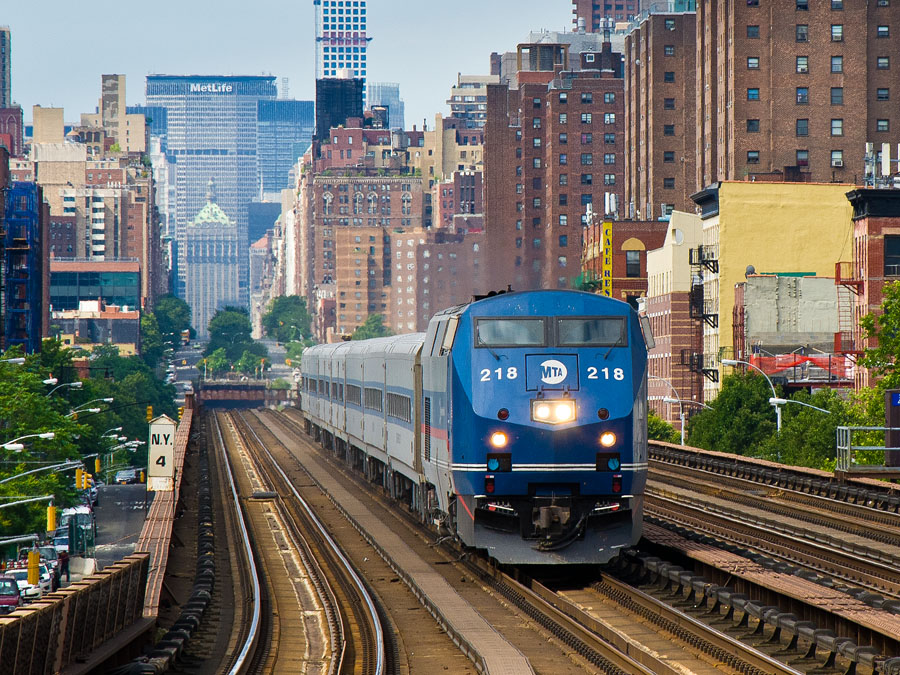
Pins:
x: 358, y: 582
x: 242, y: 661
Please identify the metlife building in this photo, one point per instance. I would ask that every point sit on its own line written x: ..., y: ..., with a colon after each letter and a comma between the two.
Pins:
x: 211, y: 134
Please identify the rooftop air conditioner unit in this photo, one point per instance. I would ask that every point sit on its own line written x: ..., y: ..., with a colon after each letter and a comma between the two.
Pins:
x: 837, y: 163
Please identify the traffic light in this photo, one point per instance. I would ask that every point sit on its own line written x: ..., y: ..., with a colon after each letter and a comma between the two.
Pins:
x: 34, y: 573
x: 86, y: 477
x: 180, y: 412
x: 96, y: 465
x: 149, y: 412
x: 51, y: 518
x: 79, y: 478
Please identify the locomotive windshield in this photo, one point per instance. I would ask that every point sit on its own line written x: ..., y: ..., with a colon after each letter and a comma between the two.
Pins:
x: 509, y: 333
x: 596, y: 331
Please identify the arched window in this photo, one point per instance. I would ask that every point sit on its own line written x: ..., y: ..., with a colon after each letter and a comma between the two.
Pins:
x: 407, y: 203
x: 357, y: 203
x: 327, y: 198
x: 373, y: 202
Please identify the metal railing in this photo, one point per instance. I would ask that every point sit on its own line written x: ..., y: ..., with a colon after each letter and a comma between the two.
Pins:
x: 846, y: 450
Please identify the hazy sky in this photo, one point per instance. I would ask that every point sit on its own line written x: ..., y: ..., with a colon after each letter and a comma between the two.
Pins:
x: 60, y: 49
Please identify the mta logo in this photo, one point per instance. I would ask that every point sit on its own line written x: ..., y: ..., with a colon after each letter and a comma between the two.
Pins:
x: 553, y: 371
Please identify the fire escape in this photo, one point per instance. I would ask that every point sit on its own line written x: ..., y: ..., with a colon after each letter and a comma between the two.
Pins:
x: 704, y: 309
x: 847, y: 340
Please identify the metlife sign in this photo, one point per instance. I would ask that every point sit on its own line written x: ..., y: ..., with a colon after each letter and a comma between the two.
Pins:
x: 211, y: 88
x: 161, y: 456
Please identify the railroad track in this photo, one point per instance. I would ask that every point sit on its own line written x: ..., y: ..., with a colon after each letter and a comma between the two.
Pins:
x: 574, y: 619
x: 355, y: 634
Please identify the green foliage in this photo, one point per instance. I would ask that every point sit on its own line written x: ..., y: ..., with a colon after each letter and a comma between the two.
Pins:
x: 807, y: 436
x: 229, y: 329
x: 739, y: 420
x: 287, y: 318
x: 280, y: 383
x: 173, y: 315
x: 152, y: 345
x: 250, y: 363
x: 217, y: 362
x: 115, y: 147
x: 295, y: 352
x: 372, y: 327
x: 660, y: 430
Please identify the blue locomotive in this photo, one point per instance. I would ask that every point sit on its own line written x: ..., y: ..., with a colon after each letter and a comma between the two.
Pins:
x: 518, y: 422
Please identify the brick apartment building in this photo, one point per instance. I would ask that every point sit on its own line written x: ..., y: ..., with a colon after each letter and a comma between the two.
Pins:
x: 794, y: 87
x: 553, y: 145
x: 595, y: 11
x: 660, y: 117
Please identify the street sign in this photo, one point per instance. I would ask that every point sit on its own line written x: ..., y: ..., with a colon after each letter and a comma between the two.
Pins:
x: 161, y: 456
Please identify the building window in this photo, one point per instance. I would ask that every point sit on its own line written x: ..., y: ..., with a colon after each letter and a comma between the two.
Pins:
x: 891, y: 255
x: 884, y: 31
x: 669, y: 50
x: 587, y: 199
x: 587, y: 139
x: 536, y: 142
x: 536, y: 202
x: 753, y: 157
x: 587, y: 97
x: 669, y: 76
x: 563, y: 97
x: 563, y: 139
x: 802, y: 64
x: 837, y: 32
x: 609, y: 97
x: 536, y: 163
x: 837, y: 158
x: 837, y: 96
x: 563, y: 241
x: 609, y: 139
x: 752, y: 32
x: 803, y: 158
x: 882, y: 125
x: 801, y: 32
x: 609, y: 158
x: 753, y: 94
x: 803, y: 127
x: 536, y: 103
x: 563, y: 118
x: 563, y: 159
x: 669, y: 104
x: 536, y: 123
x: 609, y: 179
x: 883, y: 94
x: 587, y: 158
x: 802, y: 5
x: 837, y: 5
x: 587, y: 178
x: 753, y: 63
x: 563, y: 220
x: 632, y: 263
x: 668, y: 129
x: 802, y: 95
x: 669, y: 183
x: 883, y: 63
x: 752, y: 126
x: 837, y: 64
x: 670, y: 24
x: 608, y: 118
x: 563, y: 179
x: 536, y: 183
x: 586, y: 118
x: 669, y: 156
x: 837, y: 127
x: 563, y: 199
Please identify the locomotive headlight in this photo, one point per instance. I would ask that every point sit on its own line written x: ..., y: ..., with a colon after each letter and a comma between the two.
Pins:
x: 607, y: 439
x: 499, y: 439
x: 565, y: 411
x: 559, y: 411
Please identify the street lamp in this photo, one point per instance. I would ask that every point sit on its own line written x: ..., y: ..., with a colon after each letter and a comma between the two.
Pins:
x: 669, y: 399
x: 18, y: 447
x: 18, y: 361
x: 74, y: 385
x: 775, y: 401
x: 83, y: 410
x: 108, y: 431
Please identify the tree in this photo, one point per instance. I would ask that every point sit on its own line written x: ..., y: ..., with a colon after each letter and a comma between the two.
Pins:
x: 173, y: 315
x: 739, y: 420
x: 807, y: 436
x: 229, y: 329
x: 660, y: 430
x: 152, y: 345
x: 287, y: 318
x: 883, y: 328
x: 249, y: 363
x: 217, y: 362
x: 372, y: 327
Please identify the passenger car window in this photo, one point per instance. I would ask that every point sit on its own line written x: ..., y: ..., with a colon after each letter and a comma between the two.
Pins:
x: 606, y: 331
x: 509, y: 333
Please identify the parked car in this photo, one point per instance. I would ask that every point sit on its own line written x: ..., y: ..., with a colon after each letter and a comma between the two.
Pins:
x: 10, y: 599
x: 126, y: 476
x: 29, y: 592
x: 61, y: 544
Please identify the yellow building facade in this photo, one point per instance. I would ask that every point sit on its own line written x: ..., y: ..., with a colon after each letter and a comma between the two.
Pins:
x: 773, y: 227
